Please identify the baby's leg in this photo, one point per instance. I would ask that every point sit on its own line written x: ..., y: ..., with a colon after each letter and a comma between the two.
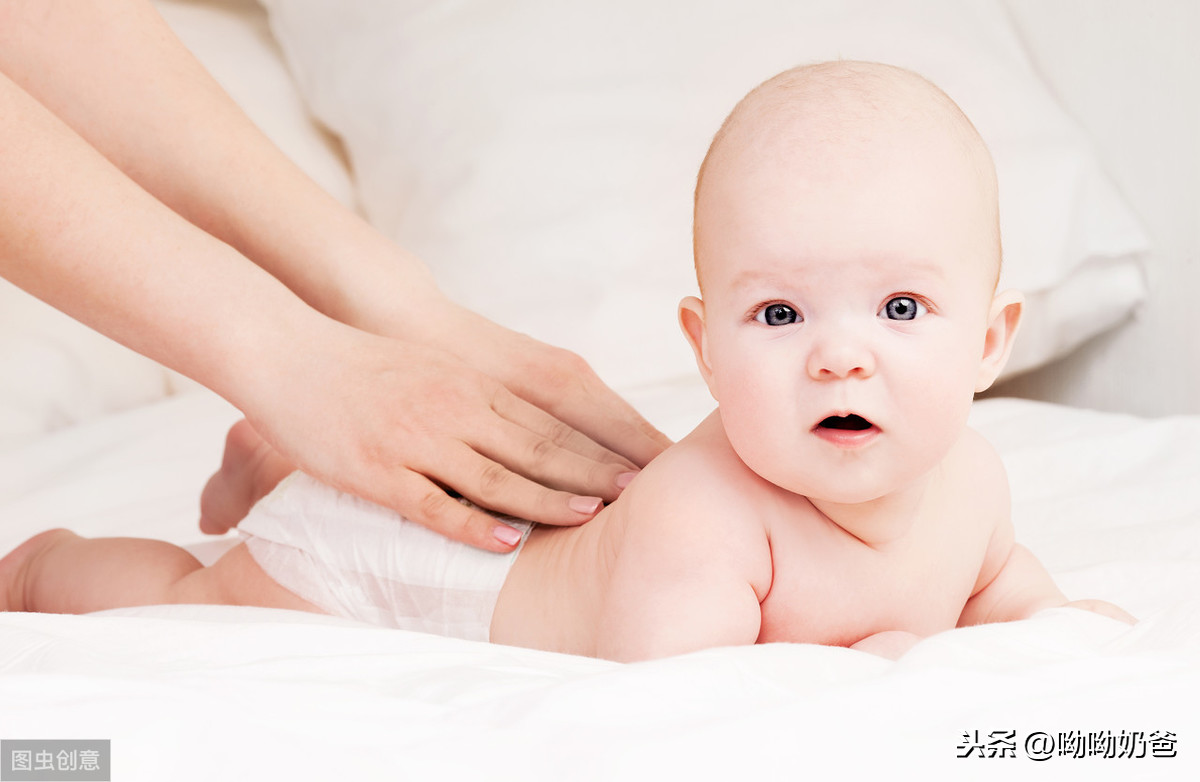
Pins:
x: 59, y: 572
x: 250, y: 468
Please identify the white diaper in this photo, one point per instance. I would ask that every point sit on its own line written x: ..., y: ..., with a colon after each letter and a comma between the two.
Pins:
x: 355, y: 559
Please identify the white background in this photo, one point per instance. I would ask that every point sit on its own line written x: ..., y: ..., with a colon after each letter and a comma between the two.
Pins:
x: 1129, y: 72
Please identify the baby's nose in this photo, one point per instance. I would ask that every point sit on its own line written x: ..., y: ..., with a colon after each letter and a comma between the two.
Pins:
x: 840, y: 356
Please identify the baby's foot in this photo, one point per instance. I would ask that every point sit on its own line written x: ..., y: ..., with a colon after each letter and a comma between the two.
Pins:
x: 14, y: 567
x: 250, y: 468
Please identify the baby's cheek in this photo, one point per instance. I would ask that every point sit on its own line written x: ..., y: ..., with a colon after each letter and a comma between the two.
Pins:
x: 942, y: 413
x: 743, y: 420
x: 766, y: 439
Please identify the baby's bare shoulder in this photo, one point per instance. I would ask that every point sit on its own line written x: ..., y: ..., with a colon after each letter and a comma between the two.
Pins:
x: 692, y: 563
x: 701, y: 474
x: 696, y: 500
x: 982, y: 501
x: 976, y: 473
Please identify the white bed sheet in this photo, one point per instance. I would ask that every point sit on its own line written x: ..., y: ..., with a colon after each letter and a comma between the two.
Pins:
x: 1107, y: 501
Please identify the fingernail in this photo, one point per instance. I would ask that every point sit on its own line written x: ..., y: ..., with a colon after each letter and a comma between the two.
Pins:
x: 585, y: 505
x: 626, y: 478
x: 506, y: 535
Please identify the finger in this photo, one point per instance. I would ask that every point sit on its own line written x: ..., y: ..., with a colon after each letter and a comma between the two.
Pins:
x: 537, y: 420
x: 540, y: 447
x: 420, y: 500
x: 494, y: 486
x: 544, y: 461
x: 619, y: 426
x: 582, y: 401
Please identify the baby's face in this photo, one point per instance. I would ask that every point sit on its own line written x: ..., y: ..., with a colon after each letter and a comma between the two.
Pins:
x: 847, y: 297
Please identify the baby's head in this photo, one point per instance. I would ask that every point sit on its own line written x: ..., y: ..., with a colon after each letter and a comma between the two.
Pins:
x: 847, y: 247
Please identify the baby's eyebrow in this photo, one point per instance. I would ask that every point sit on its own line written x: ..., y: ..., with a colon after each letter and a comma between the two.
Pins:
x: 905, y: 270
x: 758, y: 278
x: 908, y: 268
x: 927, y: 268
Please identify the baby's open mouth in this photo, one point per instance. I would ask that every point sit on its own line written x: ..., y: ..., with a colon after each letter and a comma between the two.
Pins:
x: 852, y: 422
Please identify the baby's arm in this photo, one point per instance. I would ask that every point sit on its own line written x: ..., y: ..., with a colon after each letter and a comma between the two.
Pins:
x: 1013, y: 584
x: 1020, y: 587
x: 652, y: 614
x: 688, y: 577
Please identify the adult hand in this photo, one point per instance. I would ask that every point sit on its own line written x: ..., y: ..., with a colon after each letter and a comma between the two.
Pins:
x: 396, y: 422
x: 432, y: 396
x: 557, y: 381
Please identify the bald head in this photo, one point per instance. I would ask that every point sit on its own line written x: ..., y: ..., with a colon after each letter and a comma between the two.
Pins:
x: 828, y: 118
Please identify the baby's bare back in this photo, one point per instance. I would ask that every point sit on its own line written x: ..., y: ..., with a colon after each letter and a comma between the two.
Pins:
x: 554, y: 592
x: 700, y: 551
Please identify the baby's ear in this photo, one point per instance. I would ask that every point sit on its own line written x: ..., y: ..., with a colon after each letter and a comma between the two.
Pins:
x: 691, y: 319
x: 1003, y: 321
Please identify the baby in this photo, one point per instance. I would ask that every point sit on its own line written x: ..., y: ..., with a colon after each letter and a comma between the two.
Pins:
x: 848, y: 250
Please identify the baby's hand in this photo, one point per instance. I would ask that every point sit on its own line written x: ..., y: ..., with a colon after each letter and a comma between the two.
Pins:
x: 892, y: 644
x: 1103, y: 608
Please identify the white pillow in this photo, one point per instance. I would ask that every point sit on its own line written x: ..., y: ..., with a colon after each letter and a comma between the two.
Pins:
x: 55, y: 371
x: 232, y: 40
x: 540, y: 155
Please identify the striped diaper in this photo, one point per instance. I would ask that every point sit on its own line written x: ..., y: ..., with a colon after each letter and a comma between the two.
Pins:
x: 358, y: 560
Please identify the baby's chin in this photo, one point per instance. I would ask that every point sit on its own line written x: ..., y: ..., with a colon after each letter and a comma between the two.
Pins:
x: 842, y: 498
x: 831, y: 483
x: 832, y: 492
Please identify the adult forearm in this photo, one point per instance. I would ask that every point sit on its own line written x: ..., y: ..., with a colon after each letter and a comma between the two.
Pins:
x: 77, y: 233
x: 119, y: 77
x: 135, y: 196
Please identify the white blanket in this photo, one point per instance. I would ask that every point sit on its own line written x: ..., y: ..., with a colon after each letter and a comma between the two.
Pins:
x: 1107, y: 501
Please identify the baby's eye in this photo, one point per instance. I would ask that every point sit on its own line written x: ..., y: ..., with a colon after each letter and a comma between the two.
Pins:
x: 902, y: 308
x: 777, y: 315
